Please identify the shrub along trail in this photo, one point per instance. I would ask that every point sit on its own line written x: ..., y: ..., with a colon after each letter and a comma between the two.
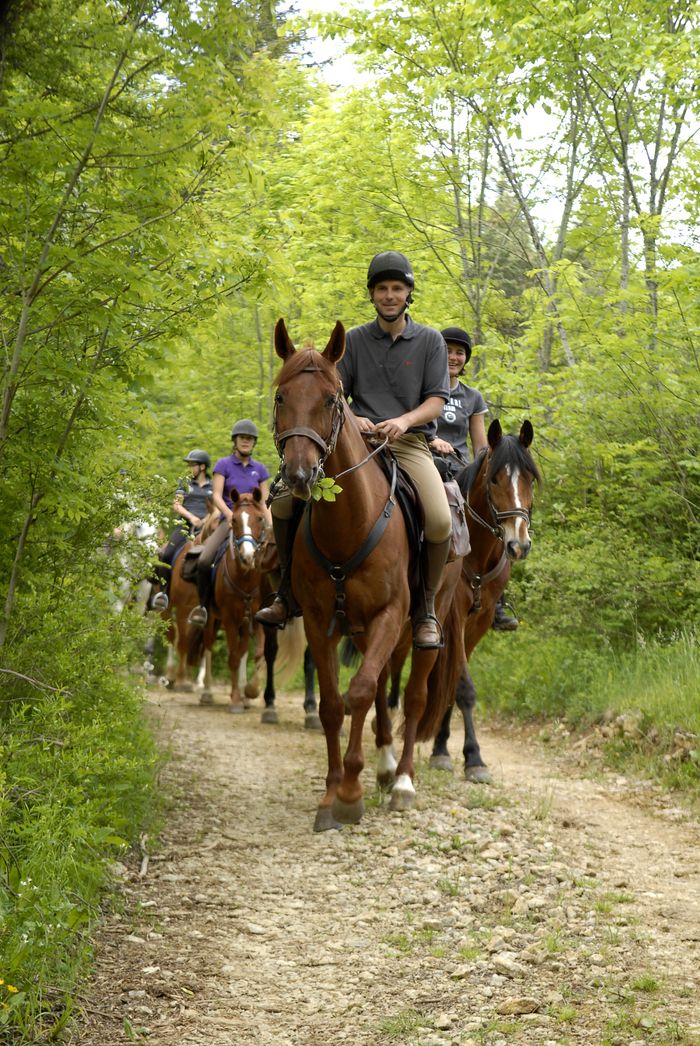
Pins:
x: 548, y: 909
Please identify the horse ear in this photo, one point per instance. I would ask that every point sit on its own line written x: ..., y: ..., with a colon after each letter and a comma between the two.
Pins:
x: 283, y: 343
x: 336, y: 346
x: 234, y: 495
x: 494, y: 434
x: 526, y: 433
x: 257, y: 494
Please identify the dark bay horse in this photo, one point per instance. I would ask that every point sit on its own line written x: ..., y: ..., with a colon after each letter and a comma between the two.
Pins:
x: 349, y: 573
x: 498, y: 491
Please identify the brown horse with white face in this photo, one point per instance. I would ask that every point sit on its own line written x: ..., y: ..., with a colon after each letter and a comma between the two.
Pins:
x: 498, y: 489
x: 350, y: 570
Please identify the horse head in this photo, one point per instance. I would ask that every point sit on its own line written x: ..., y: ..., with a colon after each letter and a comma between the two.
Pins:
x: 308, y: 410
x: 248, y: 527
x: 501, y: 482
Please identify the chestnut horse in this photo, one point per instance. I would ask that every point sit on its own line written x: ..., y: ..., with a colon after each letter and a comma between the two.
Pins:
x: 183, y: 598
x: 350, y: 572
x: 237, y: 587
x: 498, y: 492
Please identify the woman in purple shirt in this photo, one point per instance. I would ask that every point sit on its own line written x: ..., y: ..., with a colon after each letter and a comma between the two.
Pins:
x: 239, y: 470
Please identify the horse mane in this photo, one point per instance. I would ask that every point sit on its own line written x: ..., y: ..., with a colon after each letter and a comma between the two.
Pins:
x: 509, y: 451
x: 306, y: 359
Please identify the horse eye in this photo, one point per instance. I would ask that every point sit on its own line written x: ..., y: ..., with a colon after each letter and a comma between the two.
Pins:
x: 330, y: 400
x: 279, y: 398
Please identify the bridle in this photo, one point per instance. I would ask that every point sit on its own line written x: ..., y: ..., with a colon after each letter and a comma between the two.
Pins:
x: 325, y: 444
x: 497, y: 518
x: 235, y: 544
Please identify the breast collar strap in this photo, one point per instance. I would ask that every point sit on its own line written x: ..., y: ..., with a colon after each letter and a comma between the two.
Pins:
x: 338, y: 572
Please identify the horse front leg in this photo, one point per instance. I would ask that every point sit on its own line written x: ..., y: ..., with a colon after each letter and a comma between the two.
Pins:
x: 386, y: 757
x: 403, y: 794
x: 236, y: 646
x: 440, y: 757
x: 379, y: 642
x: 331, y: 713
x: 207, y: 695
x: 475, y: 769
x: 182, y: 680
x: 311, y: 717
x: 269, y: 712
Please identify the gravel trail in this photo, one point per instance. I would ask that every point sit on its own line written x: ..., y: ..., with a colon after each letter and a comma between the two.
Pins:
x: 549, y: 908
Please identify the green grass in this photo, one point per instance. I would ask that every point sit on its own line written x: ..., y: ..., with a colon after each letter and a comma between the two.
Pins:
x: 535, y: 676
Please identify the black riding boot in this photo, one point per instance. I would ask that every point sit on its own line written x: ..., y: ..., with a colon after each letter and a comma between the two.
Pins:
x: 427, y: 633
x: 503, y: 621
x: 158, y: 596
x: 199, y: 616
x: 284, y: 604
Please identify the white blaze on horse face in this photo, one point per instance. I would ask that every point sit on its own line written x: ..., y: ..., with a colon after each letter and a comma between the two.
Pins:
x: 247, y: 544
x: 515, y: 528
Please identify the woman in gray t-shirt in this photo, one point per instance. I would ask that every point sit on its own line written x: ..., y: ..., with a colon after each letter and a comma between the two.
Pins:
x: 463, y: 414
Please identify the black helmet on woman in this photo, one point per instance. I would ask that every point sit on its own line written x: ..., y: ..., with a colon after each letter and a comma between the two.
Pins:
x: 244, y: 427
x: 460, y: 337
x: 198, y: 457
x: 390, y: 265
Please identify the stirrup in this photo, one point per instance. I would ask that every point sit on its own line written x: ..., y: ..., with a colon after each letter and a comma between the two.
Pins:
x: 429, y: 644
x: 160, y: 601
x: 198, y: 617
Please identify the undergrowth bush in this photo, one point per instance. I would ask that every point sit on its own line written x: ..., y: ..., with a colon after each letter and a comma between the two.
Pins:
x: 77, y: 772
x: 533, y: 676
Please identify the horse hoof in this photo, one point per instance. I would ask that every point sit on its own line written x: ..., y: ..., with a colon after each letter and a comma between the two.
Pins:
x: 478, y: 775
x: 251, y: 691
x: 269, y: 715
x: 325, y: 821
x: 312, y: 721
x: 206, y: 697
x: 403, y: 794
x: 441, y: 762
x: 236, y: 709
x: 348, y: 813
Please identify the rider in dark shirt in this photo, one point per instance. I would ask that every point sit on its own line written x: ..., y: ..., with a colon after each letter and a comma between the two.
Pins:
x: 191, y: 505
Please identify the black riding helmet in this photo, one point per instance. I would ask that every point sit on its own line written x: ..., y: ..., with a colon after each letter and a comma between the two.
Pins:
x: 244, y: 427
x: 461, y: 337
x: 390, y: 265
x: 198, y: 457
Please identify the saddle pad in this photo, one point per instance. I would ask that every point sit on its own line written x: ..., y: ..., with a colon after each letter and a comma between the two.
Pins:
x: 459, y: 542
x: 409, y: 502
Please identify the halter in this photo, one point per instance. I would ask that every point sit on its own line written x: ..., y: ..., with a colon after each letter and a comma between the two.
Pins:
x: 326, y: 446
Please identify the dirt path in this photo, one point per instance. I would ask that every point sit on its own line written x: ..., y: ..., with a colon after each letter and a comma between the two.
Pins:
x: 547, y: 909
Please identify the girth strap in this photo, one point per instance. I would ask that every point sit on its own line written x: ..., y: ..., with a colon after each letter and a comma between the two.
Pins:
x: 338, y: 572
x: 477, y: 580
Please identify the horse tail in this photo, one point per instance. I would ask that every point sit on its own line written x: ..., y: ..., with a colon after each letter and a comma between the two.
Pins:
x: 291, y: 643
x: 442, y: 681
x: 349, y: 654
x: 195, y: 646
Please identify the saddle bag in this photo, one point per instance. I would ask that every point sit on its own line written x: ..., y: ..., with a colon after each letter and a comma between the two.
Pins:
x: 459, y: 543
x: 189, y: 563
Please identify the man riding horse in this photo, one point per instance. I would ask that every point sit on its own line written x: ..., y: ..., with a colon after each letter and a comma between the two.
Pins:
x: 394, y: 373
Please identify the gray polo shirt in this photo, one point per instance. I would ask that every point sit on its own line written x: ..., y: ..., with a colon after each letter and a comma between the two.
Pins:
x: 385, y: 378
